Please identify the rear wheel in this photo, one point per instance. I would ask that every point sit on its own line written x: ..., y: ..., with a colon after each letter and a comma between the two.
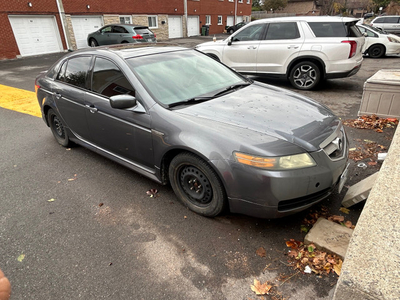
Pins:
x: 305, y: 75
x: 57, y: 128
x: 376, y: 51
x: 197, y: 185
x: 93, y: 43
x: 231, y: 31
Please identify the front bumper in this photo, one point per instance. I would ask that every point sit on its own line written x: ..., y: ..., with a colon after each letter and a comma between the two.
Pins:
x: 273, y: 194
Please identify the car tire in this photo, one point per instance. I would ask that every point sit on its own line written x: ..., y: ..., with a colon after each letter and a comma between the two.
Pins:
x: 305, y: 75
x: 93, y: 43
x: 197, y: 185
x: 231, y: 31
x: 376, y: 51
x: 57, y: 128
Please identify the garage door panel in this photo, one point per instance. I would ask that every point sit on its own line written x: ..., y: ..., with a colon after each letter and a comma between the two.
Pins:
x: 83, y: 25
x: 193, y: 26
x: 36, y: 34
x: 175, y: 27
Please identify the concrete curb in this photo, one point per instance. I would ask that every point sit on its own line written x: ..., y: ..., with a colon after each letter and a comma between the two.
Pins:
x: 371, y: 267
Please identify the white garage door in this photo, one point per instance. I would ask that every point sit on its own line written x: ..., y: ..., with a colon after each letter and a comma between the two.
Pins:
x: 36, y: 34
x: 239, y: 19
x: 83, y: 25
x: 175, y: 27
x: 230, y: 20
x: 193, y: 25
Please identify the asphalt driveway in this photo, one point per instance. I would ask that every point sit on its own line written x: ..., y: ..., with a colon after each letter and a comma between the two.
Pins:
x: 74, y: 225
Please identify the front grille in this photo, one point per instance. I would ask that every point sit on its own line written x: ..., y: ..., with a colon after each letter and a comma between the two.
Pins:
x: 335, y: 146
x: 303, y: 201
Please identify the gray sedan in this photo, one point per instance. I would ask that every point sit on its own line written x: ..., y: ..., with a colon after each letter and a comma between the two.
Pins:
x: 120, y: 34
x: 179, y: 117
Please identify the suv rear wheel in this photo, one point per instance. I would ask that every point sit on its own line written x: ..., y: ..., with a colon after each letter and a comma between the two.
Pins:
x: 305, y: 75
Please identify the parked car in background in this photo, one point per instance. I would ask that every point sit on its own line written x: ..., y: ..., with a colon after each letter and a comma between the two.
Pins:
x: 390, y: 24
x: 378, y: 43
x: 233, y: 28
x: 178, y: 116
x: 120, y: 34
x: 368, y: 15
x: 305, y: 50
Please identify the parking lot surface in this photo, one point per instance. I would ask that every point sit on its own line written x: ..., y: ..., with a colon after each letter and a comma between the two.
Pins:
x: 74, y: 225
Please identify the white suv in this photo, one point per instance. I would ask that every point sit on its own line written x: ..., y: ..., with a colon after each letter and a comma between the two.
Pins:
x: 303, y: 49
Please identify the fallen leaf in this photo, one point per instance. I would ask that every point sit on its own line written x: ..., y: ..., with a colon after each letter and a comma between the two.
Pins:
x: 101, y: 204
x: 71, y: 179
x: 185, y: 217
x: 379, y: 130
x: 304, y: 228
x: 348, y: 224
x: 152, y: 193
x: 261, y: 252
x: 68, y: 149
x: 21, y: 257
x: 336, y: 218
x: 372, y: 163
x: 260, y: 289
x: 311, y: 248
x: 51, y: 200
x: 344, y: 210
x: 338, y: 267
x: 293, y: 244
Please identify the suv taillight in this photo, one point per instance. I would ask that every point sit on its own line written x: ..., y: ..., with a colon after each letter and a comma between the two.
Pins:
x: 137, y: 37
x: 353, y: 47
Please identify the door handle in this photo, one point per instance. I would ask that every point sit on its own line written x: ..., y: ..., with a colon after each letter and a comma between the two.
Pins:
x: 58, y: 96
x: 252, y: 47
x: 92, y: 108
x: 293, y: 47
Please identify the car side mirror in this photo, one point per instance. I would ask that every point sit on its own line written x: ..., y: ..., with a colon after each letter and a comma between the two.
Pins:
x: 122, y: 101
x: 229, y: 41
x: 365, y: 34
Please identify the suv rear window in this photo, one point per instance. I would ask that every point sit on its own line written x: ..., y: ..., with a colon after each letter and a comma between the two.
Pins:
x: 391, y: 20
x: 143, y: 30
x: 334, y: 29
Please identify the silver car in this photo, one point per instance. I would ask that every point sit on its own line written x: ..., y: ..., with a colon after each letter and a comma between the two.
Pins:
x: 390, y: 24
x: 179, y: 117
x: 120, y: 34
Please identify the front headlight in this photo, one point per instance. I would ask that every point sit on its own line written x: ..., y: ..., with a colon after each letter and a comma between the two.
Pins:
x: 393, y: 40
x: 298, y: 161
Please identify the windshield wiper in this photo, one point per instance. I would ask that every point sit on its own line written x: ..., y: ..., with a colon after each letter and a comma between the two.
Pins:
x: 191, y: 101
x: 205, y: 98
x: 232, y: 88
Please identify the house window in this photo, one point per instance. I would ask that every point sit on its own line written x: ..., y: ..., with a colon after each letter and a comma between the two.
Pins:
x: 219, y: 20
x: 153, y: 22
x: 208, y: 20
x: 230, y: 0
x: 125, y: 19
x: 248, y: 1
x: 240, y: 1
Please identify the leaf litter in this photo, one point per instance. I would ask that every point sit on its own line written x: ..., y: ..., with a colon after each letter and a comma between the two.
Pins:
x: 372, y: 122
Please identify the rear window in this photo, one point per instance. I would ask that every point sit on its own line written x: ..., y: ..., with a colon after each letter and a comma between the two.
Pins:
x: 391, y: 19
x: 334, y: 29
x: 143, y: 31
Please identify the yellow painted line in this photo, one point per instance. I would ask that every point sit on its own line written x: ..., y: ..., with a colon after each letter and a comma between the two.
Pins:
x: 19, y: 100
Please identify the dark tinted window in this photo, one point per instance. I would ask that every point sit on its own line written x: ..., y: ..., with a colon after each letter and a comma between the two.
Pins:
x: 119, y: 29
x: 108, y: 79
x: 391, y: 19
x: 75, y: 71
x: 282, y: 31
x: 251, y: 33
x: 381, y: 20
x: 353, y: 31
x: 328, y: 29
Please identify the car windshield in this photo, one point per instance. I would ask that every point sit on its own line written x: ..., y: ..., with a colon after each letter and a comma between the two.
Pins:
x: 175, y: 77
x: 375, y: 29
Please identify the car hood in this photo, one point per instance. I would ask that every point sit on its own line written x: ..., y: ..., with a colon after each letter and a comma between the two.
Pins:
x: 216, y: 43
x: 272, y: 111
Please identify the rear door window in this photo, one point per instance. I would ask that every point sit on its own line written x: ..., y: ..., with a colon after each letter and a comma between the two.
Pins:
x: 75, y: 70
x: 282, y: 31
x: 391, y: 20
x: 119, y: 29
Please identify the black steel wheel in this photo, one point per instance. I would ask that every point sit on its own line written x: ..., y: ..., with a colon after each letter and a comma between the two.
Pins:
x: 197, y: 185
x: 376, y: 51
x: 58, y: 129
x: 305, y: 75
x: 231, y: 31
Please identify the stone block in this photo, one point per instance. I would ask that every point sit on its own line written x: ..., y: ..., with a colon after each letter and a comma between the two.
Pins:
x: 329, y: 236
x: 359, y: 191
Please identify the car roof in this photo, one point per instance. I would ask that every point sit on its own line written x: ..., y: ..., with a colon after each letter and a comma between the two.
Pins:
x: 307, y: 19
x: 126, y: 51
x: 127, y: 25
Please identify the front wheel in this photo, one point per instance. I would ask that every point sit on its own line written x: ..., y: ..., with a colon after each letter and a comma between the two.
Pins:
x: 231, y: 31
x: 376, y: 51
x: 197, y: 185
x: 57, y: 128
x: 305, y: 75
x: 93, y: 43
